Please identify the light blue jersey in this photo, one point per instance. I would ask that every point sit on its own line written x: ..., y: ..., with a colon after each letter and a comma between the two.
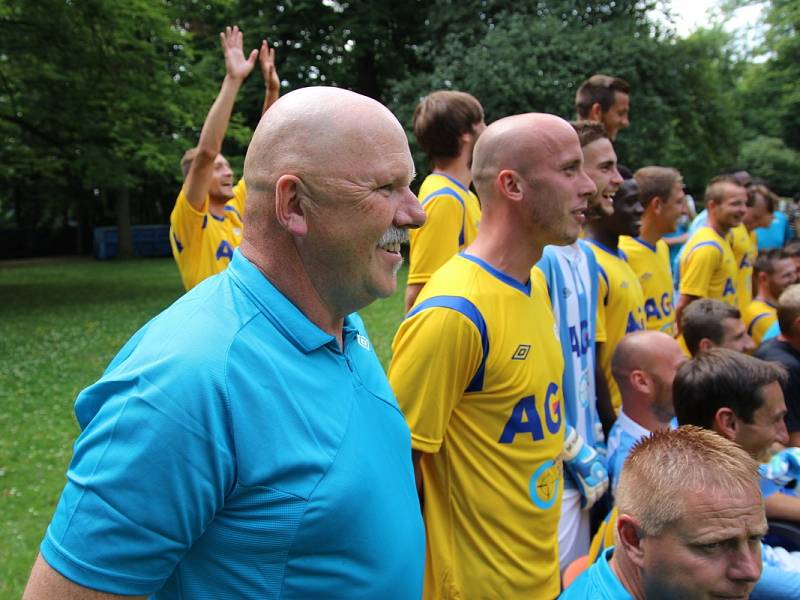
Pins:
x: 571, y: 275
x: 598, y: 582
x: 232, y: 449
x: 623, y: 435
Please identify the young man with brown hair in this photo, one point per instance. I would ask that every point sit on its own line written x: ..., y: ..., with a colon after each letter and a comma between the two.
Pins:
x: 447, y: 125
x: 604, y: 99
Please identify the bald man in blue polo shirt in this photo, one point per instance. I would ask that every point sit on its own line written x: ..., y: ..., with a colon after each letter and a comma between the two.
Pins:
x: 245, y: 443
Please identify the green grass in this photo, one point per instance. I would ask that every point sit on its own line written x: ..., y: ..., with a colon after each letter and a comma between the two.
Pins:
x: 60, y: 325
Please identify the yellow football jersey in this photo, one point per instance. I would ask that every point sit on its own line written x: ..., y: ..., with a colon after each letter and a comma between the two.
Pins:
x: 477, y: 370
x: 759, y: 316
x: 651, y: 265
x: 453, y: 213
x: 708, y: 267
x: 620, y: 308
x: 203, y: 243
x: 745, y: 250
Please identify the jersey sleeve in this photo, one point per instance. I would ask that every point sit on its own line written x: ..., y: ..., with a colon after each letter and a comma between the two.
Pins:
x: 239, y: 200
x: 602, y: 305
x: 434, y: 243
x: 186, y: 222
x: 428, y: 377
x: 699, y: 265
x: 148, y: 474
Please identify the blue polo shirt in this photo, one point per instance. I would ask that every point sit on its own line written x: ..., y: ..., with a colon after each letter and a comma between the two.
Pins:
x: 598, y: 582
x: 232, y: 450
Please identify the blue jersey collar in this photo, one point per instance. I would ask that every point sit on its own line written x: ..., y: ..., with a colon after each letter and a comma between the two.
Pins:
x: 618, y: 253
x: 286, y: 317
x: 525, y: 288
x: 644, y: 243
x: 452, y: 180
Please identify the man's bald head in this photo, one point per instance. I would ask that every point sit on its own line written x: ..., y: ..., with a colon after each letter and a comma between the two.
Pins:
x: 644, y: 365
x: 528, y: 172
x: 319, y: 133
x: 516, y: 143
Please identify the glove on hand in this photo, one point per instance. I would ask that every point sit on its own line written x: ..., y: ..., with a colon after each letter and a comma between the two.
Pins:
x: 586, y: 466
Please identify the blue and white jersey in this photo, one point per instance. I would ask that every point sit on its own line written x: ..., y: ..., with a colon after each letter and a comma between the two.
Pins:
x: 571, y: 275
x: 623, y: 435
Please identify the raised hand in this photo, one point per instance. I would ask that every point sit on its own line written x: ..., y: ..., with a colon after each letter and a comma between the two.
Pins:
x: 236, y: 65
x: 266, y: 58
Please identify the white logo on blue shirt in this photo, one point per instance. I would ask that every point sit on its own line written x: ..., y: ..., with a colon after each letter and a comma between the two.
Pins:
x: 362, y: 341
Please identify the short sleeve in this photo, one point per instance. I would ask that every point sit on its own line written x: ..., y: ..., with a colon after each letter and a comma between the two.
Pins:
x: 186, y: 222
x: 602, y: 301
x: 239, y: 199
x: 148, y: 474
x: 437, y: 240
x: 699, y: 265
x: 428, y: 377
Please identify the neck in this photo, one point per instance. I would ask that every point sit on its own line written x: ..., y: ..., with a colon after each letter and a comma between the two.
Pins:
x: 793, y: 341
x: 491, y: 245
x: 765, y: 296
x: 717, y: 226
x: 640, y: 411
x: 650, y: 231
x: 458, y: 170
x: 216, y: 206
x: 289, y: 276
x: 605, y: 237
x: 627, y: 573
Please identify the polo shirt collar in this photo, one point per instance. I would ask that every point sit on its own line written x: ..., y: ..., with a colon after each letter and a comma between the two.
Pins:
x: 287, y: 318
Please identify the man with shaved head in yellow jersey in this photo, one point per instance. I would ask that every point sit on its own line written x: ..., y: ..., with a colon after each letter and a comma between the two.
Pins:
x: 477, y: 369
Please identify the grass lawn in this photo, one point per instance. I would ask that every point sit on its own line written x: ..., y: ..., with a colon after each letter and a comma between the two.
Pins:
x: 60, y: 325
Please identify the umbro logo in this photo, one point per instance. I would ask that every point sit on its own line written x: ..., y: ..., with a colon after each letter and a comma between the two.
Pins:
x: 521, y: 353
x: 362, y: 341
x: 624, y: 285
x: 567, y: 292
x: 645, y: 276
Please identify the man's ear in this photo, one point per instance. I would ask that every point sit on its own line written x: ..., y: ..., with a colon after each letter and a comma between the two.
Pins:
x: 596, y: 112
x: 289, y: 208
x: 630, y: 539
x: 704, y: 345
x: 640, y: 381
x: 509, y: 184
x: 725, y: 422
x: 657, y: 202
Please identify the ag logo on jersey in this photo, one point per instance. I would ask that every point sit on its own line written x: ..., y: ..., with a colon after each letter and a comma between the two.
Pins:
x: 521, y: 353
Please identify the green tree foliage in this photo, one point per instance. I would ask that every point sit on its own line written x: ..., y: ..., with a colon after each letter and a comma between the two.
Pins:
x: 773, y: 161
x: 535, y: 59
x: 99, y: 98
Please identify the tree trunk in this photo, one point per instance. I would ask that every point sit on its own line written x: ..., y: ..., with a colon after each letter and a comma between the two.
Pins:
x: 123, y: 210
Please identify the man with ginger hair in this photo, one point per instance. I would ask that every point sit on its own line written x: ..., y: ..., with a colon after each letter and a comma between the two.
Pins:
x: 477, y: 369
x: 243, y: 439
x: 690, y: 523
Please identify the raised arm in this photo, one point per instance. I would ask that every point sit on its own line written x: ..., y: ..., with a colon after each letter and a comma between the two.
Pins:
x: 237, y: 68
x: 272, y: 83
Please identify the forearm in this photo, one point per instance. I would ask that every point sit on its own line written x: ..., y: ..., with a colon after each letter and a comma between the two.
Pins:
x: 605, y: 410
x: 783, y: 507
x: 684, y: 301
x: 270, y: 96
x: 412, y: 291
x: 216, y: 123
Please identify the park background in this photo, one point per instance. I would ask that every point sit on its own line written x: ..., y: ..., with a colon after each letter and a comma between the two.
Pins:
x: 100, y: 98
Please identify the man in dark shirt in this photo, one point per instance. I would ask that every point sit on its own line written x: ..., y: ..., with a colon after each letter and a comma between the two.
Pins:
x: 785, y: 350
